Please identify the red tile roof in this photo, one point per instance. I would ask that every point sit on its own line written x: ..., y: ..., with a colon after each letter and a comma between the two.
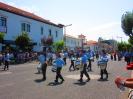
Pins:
x: 91, y: 42
x: 23, y: 13
x: 81, y: 36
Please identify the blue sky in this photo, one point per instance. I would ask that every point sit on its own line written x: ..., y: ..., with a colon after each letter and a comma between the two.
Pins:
x: 93, y: 18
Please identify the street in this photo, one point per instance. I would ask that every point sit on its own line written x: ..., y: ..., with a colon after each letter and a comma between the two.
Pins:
x: 22, y: 82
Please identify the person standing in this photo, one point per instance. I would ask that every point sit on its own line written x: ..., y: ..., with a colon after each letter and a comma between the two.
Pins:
x: 127, y: 55
x: 6, y: 60
x: 59, y: 64
x: 83, y: 69
x: 111, y: 56
x: 114, y: 56
x: 42, y: 60
x: 89, y: 55
x: 72, y: 63
x: 97, y: 56
x: 65, y: 56
x: 103, y: 60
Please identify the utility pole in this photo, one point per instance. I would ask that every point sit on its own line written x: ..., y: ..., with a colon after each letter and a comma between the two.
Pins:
x: 65, y: 33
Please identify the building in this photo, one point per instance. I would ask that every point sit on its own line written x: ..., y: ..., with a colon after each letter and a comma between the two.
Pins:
x: 14, y: 21
x: 72, y: 42
x: 83, y: 40
x: 108, y: 45
x: 92, y: 45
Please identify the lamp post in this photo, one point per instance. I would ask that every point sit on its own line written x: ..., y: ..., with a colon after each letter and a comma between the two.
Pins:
x: 65, y: 32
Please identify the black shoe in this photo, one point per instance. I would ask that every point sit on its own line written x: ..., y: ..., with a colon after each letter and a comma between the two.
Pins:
x: 80, y: 80
x: 56, y: 81
x: 88, y: 80
x: 43, y: 79
x: 100, y: 79
x: 62, y: 80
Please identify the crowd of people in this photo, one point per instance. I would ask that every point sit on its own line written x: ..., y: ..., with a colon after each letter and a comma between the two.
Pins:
x: 78, y: 61
x: 8, y: 57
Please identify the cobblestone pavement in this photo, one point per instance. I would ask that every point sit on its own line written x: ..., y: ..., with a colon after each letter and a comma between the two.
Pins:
x: 23, y: 82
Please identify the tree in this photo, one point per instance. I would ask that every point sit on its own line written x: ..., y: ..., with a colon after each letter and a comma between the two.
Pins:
x: 47, y: 41
x: 130, y: 40
x: 127, y: 23
x: 1, y: 37
x: 58, y: 46
x: 122, y: 46
x: 23, y: 41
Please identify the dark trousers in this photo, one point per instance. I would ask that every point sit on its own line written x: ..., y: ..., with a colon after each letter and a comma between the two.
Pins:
x: 58, y: 74
x: 104, y: 71
x: 6, y: 65
x: 64, y: 60
x: 114, y: 57
x: 50, y: 61
x: 84, y: 72
x: 128, y: 60
x: 44, y: 68
x: 89, y: 65
x: 72, y: 65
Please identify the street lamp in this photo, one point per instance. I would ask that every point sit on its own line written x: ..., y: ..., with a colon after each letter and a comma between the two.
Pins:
x: 65, y: 32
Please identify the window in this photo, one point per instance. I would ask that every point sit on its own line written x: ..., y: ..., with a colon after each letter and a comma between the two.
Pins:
x: 49, y: 32
x: 3, y: 24
x: 28, y: 28
x: 56, y: 34
x: 3, y: 21
x: 41, y: 30
x: 25, y: 27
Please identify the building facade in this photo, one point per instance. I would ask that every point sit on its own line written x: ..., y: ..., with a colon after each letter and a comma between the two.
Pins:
x: 92, y: 45
x: 72, y: 42
x: 108, y: 45
x: 14, y: 21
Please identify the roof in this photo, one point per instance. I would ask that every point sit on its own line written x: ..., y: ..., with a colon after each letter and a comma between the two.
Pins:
x: 81, y: 36
x: 23, y: 13
x: 91, y: 42
x: 71, y: 36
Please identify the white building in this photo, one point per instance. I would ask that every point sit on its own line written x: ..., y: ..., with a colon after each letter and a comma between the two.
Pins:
x: 92, y: 45
x: 14, y: 21
x: 72, y: 42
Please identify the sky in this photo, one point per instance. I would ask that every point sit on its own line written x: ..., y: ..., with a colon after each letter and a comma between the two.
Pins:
x: 92, y: 18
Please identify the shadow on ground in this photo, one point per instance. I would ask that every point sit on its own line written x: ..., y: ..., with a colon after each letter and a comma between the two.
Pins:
x: 80, y: 83
x: 54, y: 83
x: 39, y: 80
x: 102, y: 80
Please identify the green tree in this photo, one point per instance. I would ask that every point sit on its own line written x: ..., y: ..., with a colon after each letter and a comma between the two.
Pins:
x: 1, y: 37
x: 58, y: 46
x: 130, y: 40
x: 23, y: 41
x: 127, y: 23
x: 122, y: 46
